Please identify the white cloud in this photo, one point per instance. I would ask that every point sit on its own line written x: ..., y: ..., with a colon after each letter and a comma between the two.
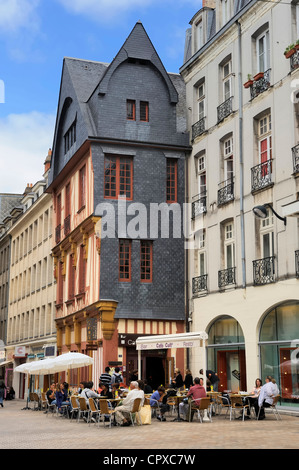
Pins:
x: 24, y: 143
x: 16, y: 14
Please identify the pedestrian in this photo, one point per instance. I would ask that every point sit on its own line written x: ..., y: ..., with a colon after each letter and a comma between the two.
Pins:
x: 212, y: 377
x: 105, y: 377
x: 117, y: 377
x: 2, y: 390
x: 188, y: 382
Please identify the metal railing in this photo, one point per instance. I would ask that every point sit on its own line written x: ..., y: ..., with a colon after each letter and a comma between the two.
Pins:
x: 224, y: 109
x: 261, y: 85
x: 226, y: 193
x: 199, y: 204
x: 297, y: 262
x: 198, y: 128
x: 58, y: 234
x: 261, y: 175
x: 295, y: 153
x: 263, y: 271
x: 226, y: 277
x: 294, y: 61
x: 67, y: 225
x: 199, y: 284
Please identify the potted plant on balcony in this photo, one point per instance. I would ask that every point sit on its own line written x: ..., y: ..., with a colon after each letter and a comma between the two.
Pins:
x: 258, y: 76
x: 297, y: 45
x: 290, y: 50
x: 249, y: 82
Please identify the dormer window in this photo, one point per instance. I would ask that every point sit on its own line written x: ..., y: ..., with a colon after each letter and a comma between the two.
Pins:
x: 70, y: 137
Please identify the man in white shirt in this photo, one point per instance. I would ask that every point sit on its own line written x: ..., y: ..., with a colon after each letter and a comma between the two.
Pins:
x: 266, y: 396
x: 122, y: 412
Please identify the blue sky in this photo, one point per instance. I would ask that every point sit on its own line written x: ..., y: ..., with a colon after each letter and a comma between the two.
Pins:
x: 35, y: 35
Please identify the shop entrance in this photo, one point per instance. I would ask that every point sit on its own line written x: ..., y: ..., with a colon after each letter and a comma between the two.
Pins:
x: 152, y: 366
x: 155, y: 371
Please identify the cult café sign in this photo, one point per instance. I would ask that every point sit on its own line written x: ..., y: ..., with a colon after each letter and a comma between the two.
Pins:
x: 169, y: 345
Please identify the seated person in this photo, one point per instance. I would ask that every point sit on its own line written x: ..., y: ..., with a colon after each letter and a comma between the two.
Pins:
x: 197, y: 391
x: 159, y: 398
x: 147, y: 388
x: 50, y: 394
x: 61, y: 398
x: 252, y: 400
x: 122, y: 412
x: 88, y: 392
x: 106, y: 391
x: 266, y: 396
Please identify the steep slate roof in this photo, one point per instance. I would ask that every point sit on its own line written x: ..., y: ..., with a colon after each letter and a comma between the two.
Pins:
x: 82, y: 80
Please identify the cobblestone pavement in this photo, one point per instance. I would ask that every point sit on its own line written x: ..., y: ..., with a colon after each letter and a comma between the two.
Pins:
x: 28, y: 429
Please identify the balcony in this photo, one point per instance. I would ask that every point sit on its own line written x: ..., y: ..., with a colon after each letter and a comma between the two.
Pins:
x: 198, y: 128
x: 226, y: 277
x: 199, y: 204
x: 199, y: 284
x: 260, y: 85
x: 58, y: 234
x: 261, y: 176
x: 67, y: 225
x: 294, y: 61
x: 295, y: 153
x: 225, y: 109
x: 263, y: 271
x: 297, y: 262
x: 226, y: 192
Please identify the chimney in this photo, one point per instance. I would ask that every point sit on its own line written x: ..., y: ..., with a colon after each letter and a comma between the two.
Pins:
x: 27, y: 189
x: 47, y: 162
x: 209, y: 3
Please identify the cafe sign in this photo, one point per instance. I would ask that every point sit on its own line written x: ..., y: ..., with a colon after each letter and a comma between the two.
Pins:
x: 169, y: 344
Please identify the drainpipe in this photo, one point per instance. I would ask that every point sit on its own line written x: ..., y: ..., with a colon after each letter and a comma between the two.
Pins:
x: 186, y: 258
x: 241, y: 164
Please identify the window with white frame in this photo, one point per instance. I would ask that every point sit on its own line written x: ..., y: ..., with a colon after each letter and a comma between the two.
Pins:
x: 263, y: 51
x: 265, y: 145
x: 199, y: 252
x: 199, y: 34
x: 201, y: 101
x: 225, y: 10
x: 229, y: 245
x: 228, y: 159
x: 227, y: 80
x: 267, y: 235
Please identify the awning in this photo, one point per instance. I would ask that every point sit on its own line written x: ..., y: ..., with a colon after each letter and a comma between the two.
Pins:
x: 6, y: 362
x: 181, y: 340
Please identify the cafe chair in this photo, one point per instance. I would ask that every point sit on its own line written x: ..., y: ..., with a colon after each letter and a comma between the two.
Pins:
x: 199, y: 406
x: 75, y: 408
x: 136, y: 410
x: 172, y: 404
x: 93, y: 411
x: 36, y: 401
x: 156, y: 408
x: 44, y: 401
x: 238, y: 404
x: 51, y: 407
x: 222, y: 404
x: 273, y: 407
x: 105, y: 411
x: 83, y: 410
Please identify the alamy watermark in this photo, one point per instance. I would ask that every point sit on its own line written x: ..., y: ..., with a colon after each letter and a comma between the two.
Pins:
x: 134, y: 220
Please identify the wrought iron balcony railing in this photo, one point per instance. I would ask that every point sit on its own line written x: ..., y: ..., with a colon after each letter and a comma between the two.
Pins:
x: 226, y: 192
x: 264, y: 271
x: 294, y: 61
x: 295, y: 152
x: 261, y: 175
x: 199, y: 204
x: 58, y: 234
x: 297, y: 262
x: 225, y: 109
x: 226, y: 277
x: 199, y: 284
x: 67, y: 225
x: 198, y: 128
x: 261, y: 85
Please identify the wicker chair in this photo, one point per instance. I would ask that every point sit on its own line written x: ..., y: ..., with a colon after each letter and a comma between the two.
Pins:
x: 273, y: 407
x: 136, y: 410
x: 83, y: 409
x: 93, y: 411
x: 238, y: 404
x: 204, y: 404
x: 105, y: 411
x: 75, y: 407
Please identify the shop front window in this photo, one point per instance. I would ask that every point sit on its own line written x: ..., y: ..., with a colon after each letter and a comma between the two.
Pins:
x: 226, y: 354
x: 279, y: 350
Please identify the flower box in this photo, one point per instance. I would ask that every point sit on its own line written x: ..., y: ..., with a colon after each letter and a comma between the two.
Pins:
x: 248, y: 84
x: 258, y: 76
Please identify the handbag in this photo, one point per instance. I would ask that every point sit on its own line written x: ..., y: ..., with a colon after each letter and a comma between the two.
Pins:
x: 145, y: 414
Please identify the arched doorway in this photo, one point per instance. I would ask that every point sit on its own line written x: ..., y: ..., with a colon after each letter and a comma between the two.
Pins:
x: 226, y: 353
x: 279, y: 349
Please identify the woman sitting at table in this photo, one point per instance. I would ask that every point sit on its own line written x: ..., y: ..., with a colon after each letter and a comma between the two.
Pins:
x: 106, y: 391
x: 252, y: 400
x: 61, y: 398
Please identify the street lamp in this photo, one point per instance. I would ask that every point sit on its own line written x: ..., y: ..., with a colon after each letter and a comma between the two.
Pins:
x: 261, y: 212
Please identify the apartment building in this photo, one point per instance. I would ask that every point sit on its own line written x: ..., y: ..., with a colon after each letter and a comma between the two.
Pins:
x: 241, y: 93
x: 32, y: 288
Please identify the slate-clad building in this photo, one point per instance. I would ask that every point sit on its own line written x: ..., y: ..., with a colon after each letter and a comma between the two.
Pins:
x: 117, y: 179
